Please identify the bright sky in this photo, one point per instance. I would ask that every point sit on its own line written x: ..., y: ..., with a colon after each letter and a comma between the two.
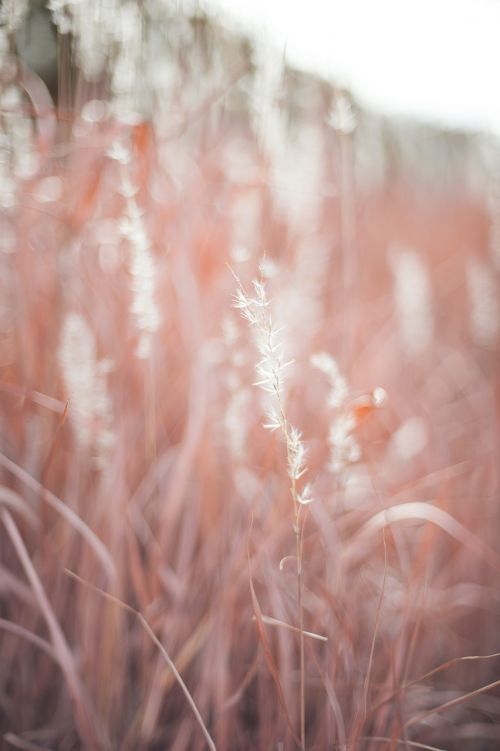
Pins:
x: 437, y: 60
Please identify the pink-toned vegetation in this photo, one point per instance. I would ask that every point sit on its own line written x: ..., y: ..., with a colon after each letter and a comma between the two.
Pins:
x: 132, y: 446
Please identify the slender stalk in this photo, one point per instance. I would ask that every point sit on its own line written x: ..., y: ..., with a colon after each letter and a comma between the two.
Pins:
x: 298, y: 543
x: 285, y: 429
x: 297, y: 528
x: 270, y: 369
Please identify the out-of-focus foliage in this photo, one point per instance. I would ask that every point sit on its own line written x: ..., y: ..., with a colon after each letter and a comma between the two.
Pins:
x: 132, y: 449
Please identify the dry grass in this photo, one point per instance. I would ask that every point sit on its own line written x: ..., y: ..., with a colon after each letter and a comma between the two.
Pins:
x: 132, y: 450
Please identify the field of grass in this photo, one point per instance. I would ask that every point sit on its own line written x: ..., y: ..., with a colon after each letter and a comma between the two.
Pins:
x: 269, y: 531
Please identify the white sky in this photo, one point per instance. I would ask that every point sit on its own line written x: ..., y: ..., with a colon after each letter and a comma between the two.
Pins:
x: 437, y: 60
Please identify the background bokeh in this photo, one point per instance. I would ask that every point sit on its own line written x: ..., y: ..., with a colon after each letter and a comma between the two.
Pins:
x: 148, y: 155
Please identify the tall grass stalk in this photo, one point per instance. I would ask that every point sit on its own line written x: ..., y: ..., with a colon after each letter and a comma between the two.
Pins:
x: 270, y: 369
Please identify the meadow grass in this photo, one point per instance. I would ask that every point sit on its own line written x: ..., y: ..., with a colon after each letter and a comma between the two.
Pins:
x: 191, y: 554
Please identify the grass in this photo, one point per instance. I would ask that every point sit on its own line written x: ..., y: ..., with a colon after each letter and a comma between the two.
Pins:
x: 203, y: 608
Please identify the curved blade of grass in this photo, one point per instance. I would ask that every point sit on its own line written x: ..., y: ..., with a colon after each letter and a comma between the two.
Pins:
x: 15, y: 628
x: 85, y: 724
x: 452, y: 703
x: 401, y: 742
x: 426, y: 511
x: 71, y: 517
x: 14, y: 501
x: 429, y: 674
x: 17, y: 742
x: 144, y: 623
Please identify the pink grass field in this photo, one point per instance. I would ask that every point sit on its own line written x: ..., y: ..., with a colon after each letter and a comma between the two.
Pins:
x: 132, y: 446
